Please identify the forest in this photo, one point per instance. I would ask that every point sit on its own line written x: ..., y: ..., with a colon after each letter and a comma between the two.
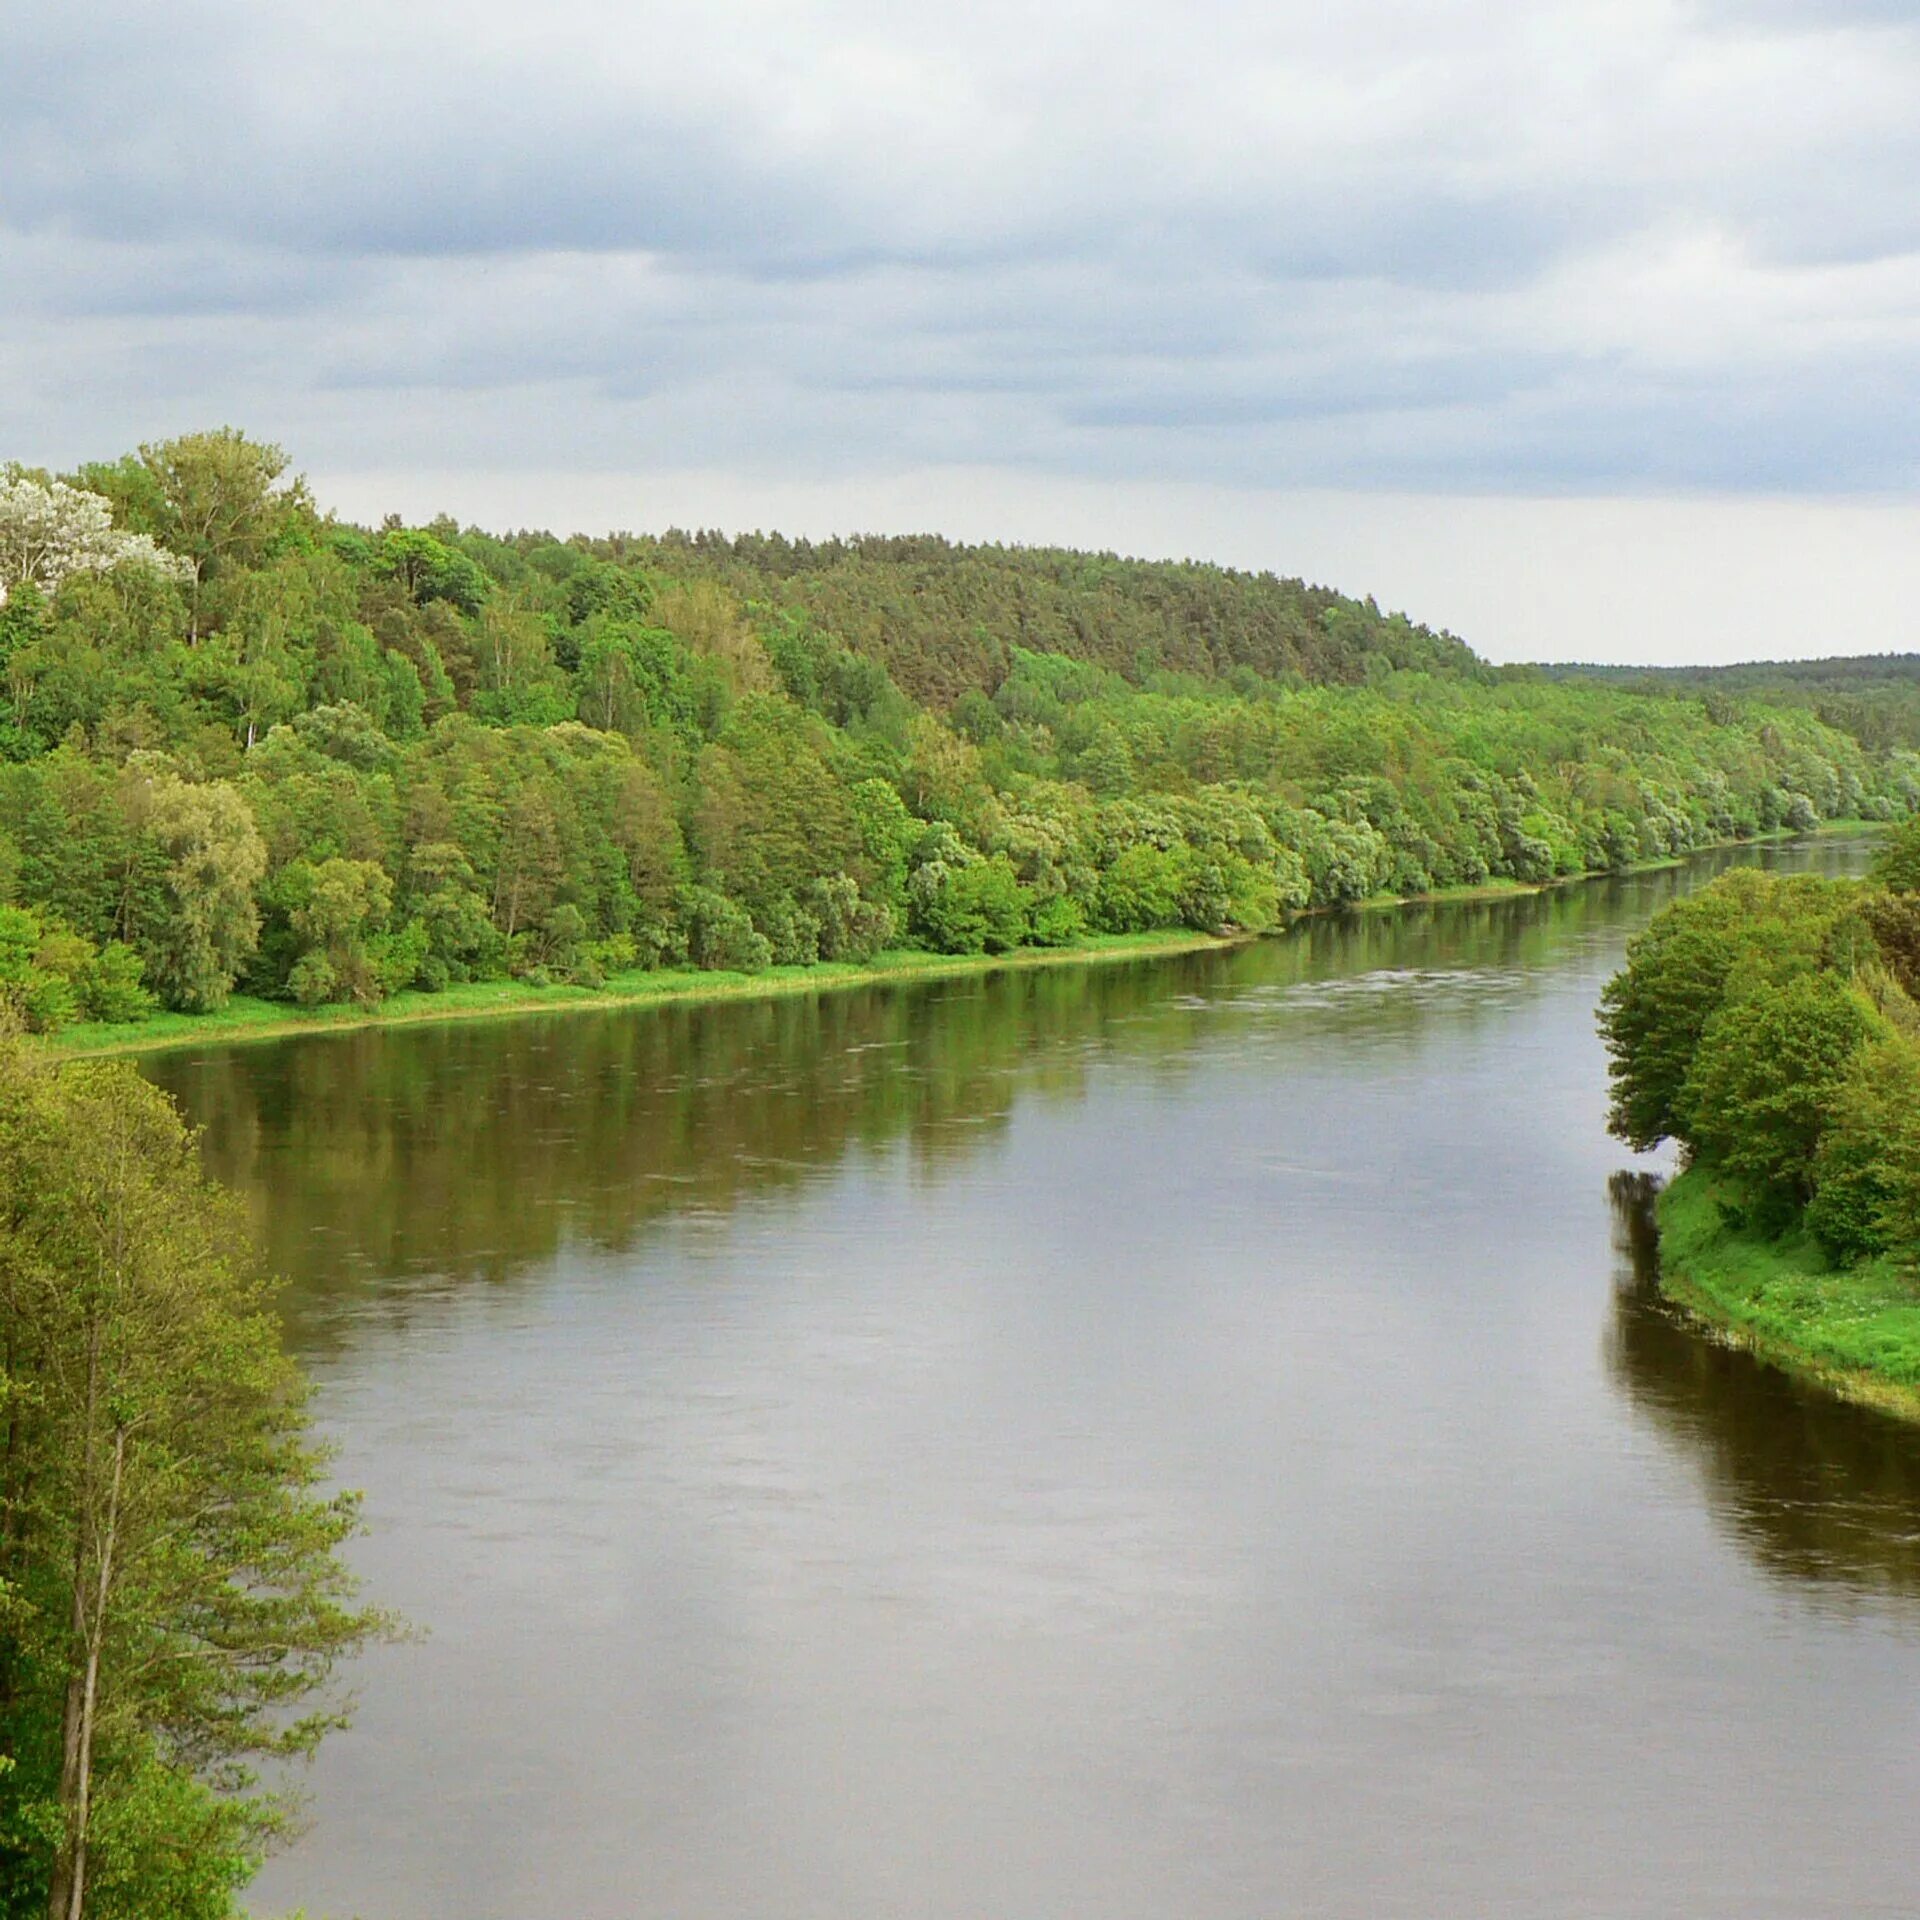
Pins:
x: 247, y: 748
x: 1771, y: 1026
x: 1873, y: 696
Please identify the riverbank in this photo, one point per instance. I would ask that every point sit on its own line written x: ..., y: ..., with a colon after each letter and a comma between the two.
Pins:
x: 1510, y: 889
x: 244, y: 1018
x: 1855, y: 1330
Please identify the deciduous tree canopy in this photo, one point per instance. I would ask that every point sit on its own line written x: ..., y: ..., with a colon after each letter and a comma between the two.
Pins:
x: 170, y: 1601
x: 1769, y: 1025
x: 244, y: 747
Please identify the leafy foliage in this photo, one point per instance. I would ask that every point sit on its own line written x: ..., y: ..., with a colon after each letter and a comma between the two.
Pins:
x: 322, y: 762
x: 170, y: 1601
x: 1764, y: 1023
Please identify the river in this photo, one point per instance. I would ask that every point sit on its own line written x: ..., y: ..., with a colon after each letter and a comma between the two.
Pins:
x: 1178, y: 1440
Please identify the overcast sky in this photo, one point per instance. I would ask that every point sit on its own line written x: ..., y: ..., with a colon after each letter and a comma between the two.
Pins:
x: 1584, y: 329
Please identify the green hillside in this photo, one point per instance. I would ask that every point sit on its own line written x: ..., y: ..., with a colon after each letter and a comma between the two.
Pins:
x: 245, y: 746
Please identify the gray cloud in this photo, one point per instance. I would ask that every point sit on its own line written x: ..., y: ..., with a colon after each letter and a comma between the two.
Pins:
x: 1579, y: 245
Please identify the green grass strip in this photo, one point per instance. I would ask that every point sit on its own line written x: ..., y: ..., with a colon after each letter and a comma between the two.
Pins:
x: 244, y: 1018
x: 1855, y: 1329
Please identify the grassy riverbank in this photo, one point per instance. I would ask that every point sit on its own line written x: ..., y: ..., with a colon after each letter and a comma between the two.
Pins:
x: 245, y: 1018
x: 1854, y: 1329
x: 1505, y: 889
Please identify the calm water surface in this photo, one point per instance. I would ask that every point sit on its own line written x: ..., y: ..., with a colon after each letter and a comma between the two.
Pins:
x: 1190, y: 1440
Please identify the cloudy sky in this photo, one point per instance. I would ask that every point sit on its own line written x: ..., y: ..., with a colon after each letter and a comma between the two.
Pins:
x: 1585, y: 329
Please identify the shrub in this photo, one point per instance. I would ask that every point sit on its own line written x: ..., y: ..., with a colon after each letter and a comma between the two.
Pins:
x: 721, y: 934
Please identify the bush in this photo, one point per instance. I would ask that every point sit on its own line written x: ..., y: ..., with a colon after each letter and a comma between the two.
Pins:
x: 1058, y: 921
x: 1141, y: 890
x: 721, y: 935
x: 851, y: 927
x: 50, y: 976
x: 50, y: 1002
x: 981, y: 908
x: 312, y: 981
x: 792, y: 933
x: 110, y: 987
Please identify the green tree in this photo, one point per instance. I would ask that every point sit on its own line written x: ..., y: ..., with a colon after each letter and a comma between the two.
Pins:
x: 1763, y: 1082
x: 1141, y: 889
x: 264, y: 659
x: 612, y: 676
x: 532, y: 862
x: 887, y: 833
x: 1106, y: 762
x: 337, y: 909
x: 173, y: 1603
x: 977, y: 908
x: 519, y: 684
x: 721, y: 934
x: 429, y: 569
x: 213, y: 498
x: 1897, y: 865
x: 1655, y: 1012
x: 195, y: 933
x: 462, y: 940
x: 1866, y: 1170
x: 850, y: 927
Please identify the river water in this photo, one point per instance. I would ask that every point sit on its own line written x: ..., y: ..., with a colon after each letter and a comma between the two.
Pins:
x: 1182, y: 1440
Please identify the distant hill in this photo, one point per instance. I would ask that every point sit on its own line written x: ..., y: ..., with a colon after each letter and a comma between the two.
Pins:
x: 944, y: 618
x: 1875, y: 697
x: 1841, y: 670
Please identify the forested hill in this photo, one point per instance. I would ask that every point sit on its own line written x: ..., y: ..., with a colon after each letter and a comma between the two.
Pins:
x: 943, y: 618
x: 247, y: 747
x: 1749, y: 676
x: 1874, y: 696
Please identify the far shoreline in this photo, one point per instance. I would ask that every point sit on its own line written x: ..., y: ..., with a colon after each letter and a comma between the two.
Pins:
x: 246, y: 1020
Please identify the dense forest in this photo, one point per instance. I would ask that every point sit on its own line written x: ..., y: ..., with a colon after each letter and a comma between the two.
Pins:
x: 1873, y: 696
x: 247, y: 747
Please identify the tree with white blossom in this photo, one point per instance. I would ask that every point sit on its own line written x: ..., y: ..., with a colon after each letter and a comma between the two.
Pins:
x: 49, y: 530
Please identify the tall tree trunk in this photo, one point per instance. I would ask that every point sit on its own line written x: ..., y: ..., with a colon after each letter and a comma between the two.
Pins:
x: 66, y: 1884
x: 67, y: 1893
x: 90, y: 1699
x: 62, y: 1880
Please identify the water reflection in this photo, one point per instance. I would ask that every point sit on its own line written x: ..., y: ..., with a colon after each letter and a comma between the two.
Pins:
x: 1814, y: 1488
x: 1124, y: 1441
x: 376, y: 1161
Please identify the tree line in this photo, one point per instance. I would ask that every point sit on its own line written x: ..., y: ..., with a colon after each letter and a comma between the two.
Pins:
x: 1873, y: 696
x: 245, y: 746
